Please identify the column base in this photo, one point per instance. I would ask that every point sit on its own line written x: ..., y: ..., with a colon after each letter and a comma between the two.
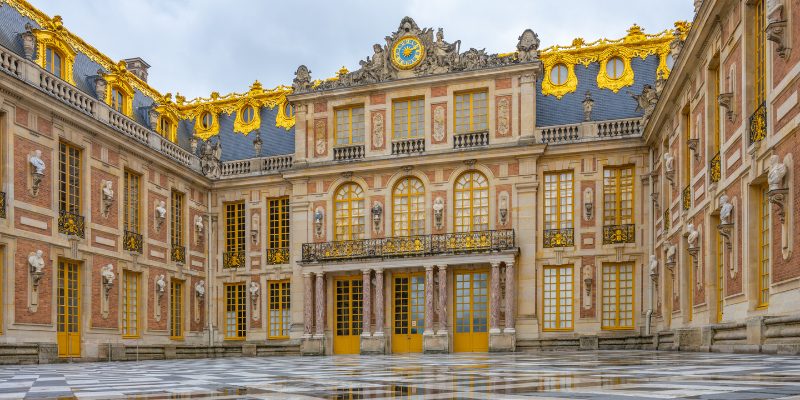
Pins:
x: 313, y: 346
x: 438, y: 343
x: 502, y: 342
x: 373, y: 345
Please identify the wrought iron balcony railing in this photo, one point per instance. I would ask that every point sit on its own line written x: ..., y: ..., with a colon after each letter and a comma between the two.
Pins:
x: 133, y: 242
x: 758, y: 124
x: 410, y: 246
x: 686, y: 197
x: 3, y: 205
x: 69, y: 223
x: 615, y: 234
x: 278, y: 256
x: 233, y: 259
x: 715, y: 168
x: 178, y: 253
x: 559, y: 237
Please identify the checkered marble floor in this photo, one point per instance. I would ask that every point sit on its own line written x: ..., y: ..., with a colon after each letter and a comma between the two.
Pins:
x: 547, y: 375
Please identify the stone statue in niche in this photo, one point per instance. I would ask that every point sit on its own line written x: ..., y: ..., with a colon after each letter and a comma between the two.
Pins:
x: 503, y: 208
x: 254, y: 290
x: 36, y: 265
x: 588, y: 204
x: 777, y: 171
x: 377, y: 216
x: 528, y: 46
x: 725, y: 210
x: 653, y: 267
x: 691, y: 236
x: 37, y: 170
x: 588, y: 106
x: 200, y: 289
x: 161, y: 214
x: 669, y: 162
x: 198, y: 225
x: 438, y: 123
x: 107, y: 272
x: 319, y: 216
x: 107, y: 197
x: 503, y: 122
x: 438, y: 212
x: 302, y: 79
x: 255, y: 227
x: 671, y: 252
x: 377, y: 130
x: 210, y: 159
x: 161, y: 285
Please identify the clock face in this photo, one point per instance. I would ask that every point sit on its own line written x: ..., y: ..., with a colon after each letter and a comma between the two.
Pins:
x: 407, y: 52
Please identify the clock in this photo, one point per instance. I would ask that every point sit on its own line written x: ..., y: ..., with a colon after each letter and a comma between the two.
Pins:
x: 407, y: 52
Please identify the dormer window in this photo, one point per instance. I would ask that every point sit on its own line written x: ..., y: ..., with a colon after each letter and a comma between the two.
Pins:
x: 248, y: 112
x: 207, y: 120
x: 117, y: 100
x: 615, y: 67
x: 54, y: 62
x: 168, y: 128
x: 559, y: 74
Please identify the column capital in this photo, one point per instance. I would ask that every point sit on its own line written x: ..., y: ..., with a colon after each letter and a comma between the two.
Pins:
x: 510, y: 263
x: 442, y: 266
x: 366, y: 271
x: 379, y: 270
x: 307, y: 274
x: 429, y: 268
x: 320, y: 273
x: 495, y: 264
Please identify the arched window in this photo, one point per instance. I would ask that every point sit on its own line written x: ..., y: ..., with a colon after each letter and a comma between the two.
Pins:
x: 348, y: 205
x: 408, y: 207
x: 471, y: 210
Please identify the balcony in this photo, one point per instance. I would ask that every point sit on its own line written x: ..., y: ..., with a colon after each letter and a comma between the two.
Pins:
x: 69, y: 223
x: 589, y: 131
x: 471, y: 140
x: 715, y: 169
x: 278, y: 256
x: 233, y: 259
x: 178, y: 253
x: 686, y: 197
x: 408, y: 146
x: 618, y: 234
x: 348, y: 153
x: 758, y: 124
x: 133, y: 242
x: 410, y: 246
x: 257, y: 166
x: 3, y: 205
x: 559, y: 238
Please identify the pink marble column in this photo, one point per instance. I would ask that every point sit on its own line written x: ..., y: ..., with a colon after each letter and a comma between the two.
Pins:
x: 308, y: 305
x: 428, y: 300
x: 494, y: 299
x: 442, y: 300
x: 320, y: 305
x: 367, y: 296
x: 511, y: 298
x: 378, y: 302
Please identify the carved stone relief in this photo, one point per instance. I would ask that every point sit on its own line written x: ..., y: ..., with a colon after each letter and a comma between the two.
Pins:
x: 320, y: 138
x: 503, y: 115
x: 439, y: 122
x: 378, y: 129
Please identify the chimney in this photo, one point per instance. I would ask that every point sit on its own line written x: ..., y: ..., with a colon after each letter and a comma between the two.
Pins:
x: 138, y: 67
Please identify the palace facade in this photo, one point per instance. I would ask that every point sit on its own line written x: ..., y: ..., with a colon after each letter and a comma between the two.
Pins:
x: 621, y: 193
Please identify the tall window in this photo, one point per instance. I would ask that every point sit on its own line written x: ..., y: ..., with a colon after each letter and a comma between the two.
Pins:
x: 617, y: 296
x: 176, y: 219
x: 132, y: 202
x: 558, y: 296
x: 349, y: 220
x: 408, y: 207
x: 130, y: 304
x: 763, y: 247
x: 54, y: 62
x: 558, y: 209
x: 279, y: 223
x: 618, y: 195
x: 759, y: 53
x: 69, y: 178
x: 471, y: 112
x: 176, y: 309
x: 408, y: 118
x: 349, y: 126
x: 235, y: 311
x: 471, y: 202
x: 234, y: 227
x: 279, y: 311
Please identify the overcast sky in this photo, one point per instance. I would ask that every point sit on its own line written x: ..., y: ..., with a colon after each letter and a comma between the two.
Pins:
x: 198, y: 46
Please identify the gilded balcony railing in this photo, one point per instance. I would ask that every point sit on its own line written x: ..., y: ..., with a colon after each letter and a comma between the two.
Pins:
x: 233, y: 259
x: 410, y: 246
x: 758, y: 123
x: 178, y: 253
x: 278, y: 256
x: 686, y: 197
x: 132, y: 241
x: 559, y: 237
x: 2, y: 205
x: 69, y: 223
x: 715, y: 168
x: 615, y: 234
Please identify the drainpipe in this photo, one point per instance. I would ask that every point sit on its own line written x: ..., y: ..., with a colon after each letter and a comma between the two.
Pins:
x: 209, y: 274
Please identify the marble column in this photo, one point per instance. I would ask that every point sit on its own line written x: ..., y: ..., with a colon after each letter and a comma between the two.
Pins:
x: 378, y: 302
x: 308, y: 305
x: 511, y: 298
x: 494, y: 299
x: 442, y: 299
x: 319, y: 300
x: 428, y: 300
x: 367, y: 296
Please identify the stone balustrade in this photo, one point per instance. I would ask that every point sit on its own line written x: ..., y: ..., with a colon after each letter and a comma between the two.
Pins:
x: 348, y: 153
x: 408, y: 146
x: 65, y: 92
x: 471, y: 140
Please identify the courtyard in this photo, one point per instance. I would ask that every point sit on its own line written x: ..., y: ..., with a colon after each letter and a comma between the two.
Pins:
x: 564, y: 375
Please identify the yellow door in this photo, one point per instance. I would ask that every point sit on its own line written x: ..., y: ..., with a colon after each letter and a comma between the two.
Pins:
x: 472, y: 311
x: 69, y: 310
x: 348, y: 311
x: 409, y: 312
